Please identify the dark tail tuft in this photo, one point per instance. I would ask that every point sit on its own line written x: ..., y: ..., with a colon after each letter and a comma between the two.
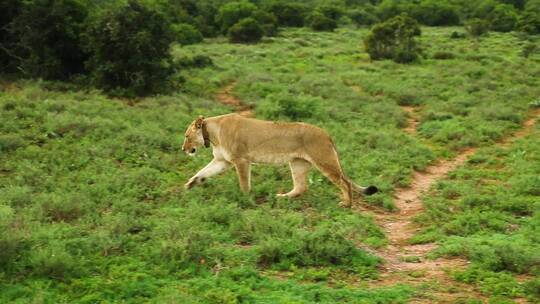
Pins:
x: 371, y: 190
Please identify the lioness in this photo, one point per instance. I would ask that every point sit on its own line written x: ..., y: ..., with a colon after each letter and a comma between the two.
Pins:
x: 239, y: 141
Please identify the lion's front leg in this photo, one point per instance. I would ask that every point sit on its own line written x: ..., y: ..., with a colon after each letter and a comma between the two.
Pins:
x: 216, y: 166
x: 243, y: 169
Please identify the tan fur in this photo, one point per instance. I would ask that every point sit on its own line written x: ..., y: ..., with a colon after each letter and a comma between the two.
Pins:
x: 238, y: 142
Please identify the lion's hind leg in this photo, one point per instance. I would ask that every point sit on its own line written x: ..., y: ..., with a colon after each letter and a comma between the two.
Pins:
x: 329, y: 166
x: 299, y: 172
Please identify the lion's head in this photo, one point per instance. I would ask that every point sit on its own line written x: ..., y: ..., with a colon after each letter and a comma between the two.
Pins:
x: 193, y: 138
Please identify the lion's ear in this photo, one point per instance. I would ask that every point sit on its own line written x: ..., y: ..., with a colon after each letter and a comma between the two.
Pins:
x: 199, y: 122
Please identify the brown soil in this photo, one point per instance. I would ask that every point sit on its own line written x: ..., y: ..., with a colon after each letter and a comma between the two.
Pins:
x: 226, y: 97
x: 407, y: 263
x: 412, y: 122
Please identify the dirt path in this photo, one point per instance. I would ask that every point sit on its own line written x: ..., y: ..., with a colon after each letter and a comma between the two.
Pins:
x: 405, y: 262
x: 226, y: 97
x: 412, y: 121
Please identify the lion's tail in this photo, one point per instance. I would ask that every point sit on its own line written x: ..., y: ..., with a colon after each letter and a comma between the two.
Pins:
x: 369, y: 190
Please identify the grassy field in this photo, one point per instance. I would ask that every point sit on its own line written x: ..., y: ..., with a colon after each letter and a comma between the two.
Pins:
x: 92, y: 207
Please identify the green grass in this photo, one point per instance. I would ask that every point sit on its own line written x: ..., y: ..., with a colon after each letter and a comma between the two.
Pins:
x: 92, y: 206
x: 489, y: 212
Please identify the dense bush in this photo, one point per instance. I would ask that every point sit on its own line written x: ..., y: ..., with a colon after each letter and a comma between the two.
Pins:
x: 476, y: 27
x: 129, y: 49
x: 186, y: 34
x: 232, y: 12
x: 319, y: 22
x: 332, y: 11
x: 436, y: 13
x: 529, y: 21
x: 48, y: 34
x: 391, y: 8
x: 9, y: 10
x: 503, y: 18
x: 267, y: 21
x: 288, y: 14
x: 246, y: 30
x: 325, y: 17
x: 362, y: 16
x: 394, y: 39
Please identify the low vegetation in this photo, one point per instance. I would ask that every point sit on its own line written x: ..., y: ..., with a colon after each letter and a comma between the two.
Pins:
x: 92, y: 207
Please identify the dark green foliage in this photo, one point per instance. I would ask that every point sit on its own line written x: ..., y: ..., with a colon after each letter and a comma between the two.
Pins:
x: 529, y: 20
x: 392, y: 8
x: 319, y: 22
x: 129, y: 49
x: 9, y: 10
x: 362, y: 16
x: 394, y: 39
x: 436, y: 13
x: 48, y: 34
x: 245, y: 31
x: 325, y: 17
x: 519, y: 4
x: 198, y: 13
x: 477, y: 27
x: 267, y: 21
x: 331, y: 10
x: 289, y: 13
x: 232, y: 12
x: 503, y: 18
x: 186, y: 34
x: 197, y: 61
x: 457, y: 35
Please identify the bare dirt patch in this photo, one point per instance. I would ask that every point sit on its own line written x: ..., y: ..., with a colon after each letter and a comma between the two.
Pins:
x: 226, y: 97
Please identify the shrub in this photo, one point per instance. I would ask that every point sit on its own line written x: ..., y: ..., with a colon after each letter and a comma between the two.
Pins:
x: 457, y: 35
x: 231, y: 13
x: 503, y: 18
x: 529, y: 21
x: 476, y: 27
x: 291, y: 107
x: 331, y: 11
x: 288, y: 14
x: 48, y: 34
x: 205, y: 20
x: 53, y: 262
x: 247, y: 30
x: 436, y: 13
x: 483, y: 9
x: 319, y: 22
x: 519, y: 4
x: 394, y: 39
x: 197, y: 61
x: 9, y: 10
x: 267, y: 21
x: 130, y: 50
x: 187, y: 34
x: 392, y: 8
x: 362, y: 17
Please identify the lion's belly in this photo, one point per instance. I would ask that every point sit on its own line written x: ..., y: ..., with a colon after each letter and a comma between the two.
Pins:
x: 273, y: 158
